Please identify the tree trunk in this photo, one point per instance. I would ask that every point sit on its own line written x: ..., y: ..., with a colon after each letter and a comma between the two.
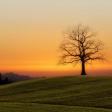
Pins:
x: 83, y: 69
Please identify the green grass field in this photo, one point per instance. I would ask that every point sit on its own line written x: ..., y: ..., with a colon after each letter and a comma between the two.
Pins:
x: 65, y: 94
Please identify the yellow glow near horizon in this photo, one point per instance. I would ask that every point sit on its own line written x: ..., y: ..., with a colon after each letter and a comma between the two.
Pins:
x: 31, y: 31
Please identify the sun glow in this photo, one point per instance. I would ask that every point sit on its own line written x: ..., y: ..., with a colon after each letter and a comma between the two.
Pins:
x: 32, y: 30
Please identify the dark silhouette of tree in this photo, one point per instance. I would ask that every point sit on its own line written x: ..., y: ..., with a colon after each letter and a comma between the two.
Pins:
x: 79, y: 45
x: 6, y: 80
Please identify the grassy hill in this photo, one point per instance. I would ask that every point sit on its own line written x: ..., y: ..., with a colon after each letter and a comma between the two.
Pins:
x: 65, y: 94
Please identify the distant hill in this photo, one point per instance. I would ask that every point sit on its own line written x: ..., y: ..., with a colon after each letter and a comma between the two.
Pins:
x: 13, y: 77
x: 78, y: 94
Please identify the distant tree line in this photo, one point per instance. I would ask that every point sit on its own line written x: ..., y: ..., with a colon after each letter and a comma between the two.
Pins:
x: 4, y: 80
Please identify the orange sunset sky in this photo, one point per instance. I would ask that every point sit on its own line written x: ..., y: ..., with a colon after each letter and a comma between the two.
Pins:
x: 31, y: 32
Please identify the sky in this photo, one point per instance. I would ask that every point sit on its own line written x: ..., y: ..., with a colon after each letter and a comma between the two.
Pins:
x: 32, y: 30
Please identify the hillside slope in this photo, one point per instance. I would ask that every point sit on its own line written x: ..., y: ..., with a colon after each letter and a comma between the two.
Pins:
x: 35, y: 107
x: 68, y: 91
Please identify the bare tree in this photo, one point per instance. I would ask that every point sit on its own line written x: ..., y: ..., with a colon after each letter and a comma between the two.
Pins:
x: 79, y: 45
